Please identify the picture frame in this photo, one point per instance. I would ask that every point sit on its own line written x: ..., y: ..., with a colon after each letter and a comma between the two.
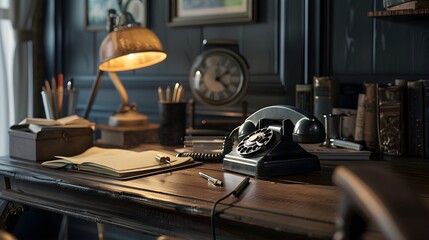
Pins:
x: 96, y: 12
x: 191, y: 12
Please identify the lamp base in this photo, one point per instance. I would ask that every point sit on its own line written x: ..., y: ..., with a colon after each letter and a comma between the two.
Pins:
x: 127, y: 119
x: 128, y: 137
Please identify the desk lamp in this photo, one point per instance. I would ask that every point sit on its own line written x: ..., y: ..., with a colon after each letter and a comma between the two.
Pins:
x: 128, y: 46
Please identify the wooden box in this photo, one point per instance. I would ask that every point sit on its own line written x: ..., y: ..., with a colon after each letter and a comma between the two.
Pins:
x: 49, y: 142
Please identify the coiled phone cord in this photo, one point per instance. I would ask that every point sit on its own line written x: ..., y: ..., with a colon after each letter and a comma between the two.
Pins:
x: 236, y: 192
x: 213, y: 157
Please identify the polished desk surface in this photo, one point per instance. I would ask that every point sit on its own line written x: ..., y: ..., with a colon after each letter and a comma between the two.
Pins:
x: 178, y: 203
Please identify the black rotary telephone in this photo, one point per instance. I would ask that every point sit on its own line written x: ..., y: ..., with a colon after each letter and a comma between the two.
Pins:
x: 269, y: 143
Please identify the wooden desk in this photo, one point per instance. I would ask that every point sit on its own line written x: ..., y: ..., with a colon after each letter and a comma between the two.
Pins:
x: 179, y: 203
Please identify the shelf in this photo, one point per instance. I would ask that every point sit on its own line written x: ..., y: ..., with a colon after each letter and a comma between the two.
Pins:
x: 400, y: 13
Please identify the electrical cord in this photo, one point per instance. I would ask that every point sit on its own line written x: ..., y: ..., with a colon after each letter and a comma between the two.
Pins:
x: 236, y: 192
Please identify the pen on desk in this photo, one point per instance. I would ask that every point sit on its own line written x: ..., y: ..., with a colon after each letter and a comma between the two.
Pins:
x: 211, y: 179
x: 347, y: 144
x: 162, y: 159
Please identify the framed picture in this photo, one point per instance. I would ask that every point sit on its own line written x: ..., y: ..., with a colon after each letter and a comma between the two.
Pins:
x: 96, y: 12
x: 197, y: 12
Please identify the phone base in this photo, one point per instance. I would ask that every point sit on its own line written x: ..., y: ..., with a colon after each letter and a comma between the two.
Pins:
x: 286, y: 158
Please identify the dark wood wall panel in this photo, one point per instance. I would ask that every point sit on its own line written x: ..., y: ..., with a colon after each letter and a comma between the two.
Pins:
x: 293, y: 18
x: 375, y: 49
x: 402, y: 46
x: 342, y: 42
x: 351, y: 37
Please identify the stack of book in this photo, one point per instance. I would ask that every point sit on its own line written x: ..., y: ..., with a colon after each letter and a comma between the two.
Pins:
x: 36, y: 125
x: 403, y: 124
x: 390, y: 118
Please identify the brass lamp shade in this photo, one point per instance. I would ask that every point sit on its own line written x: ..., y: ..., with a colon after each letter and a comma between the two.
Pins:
x: 130, y: 48
x: 126, y: 48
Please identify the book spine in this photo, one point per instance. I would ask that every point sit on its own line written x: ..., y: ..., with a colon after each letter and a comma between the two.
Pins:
x: 360, y: 118
x: 348, y: 95
x: 426, y: 116
x: 370, y: 134
x: 304, y: 97
x: 322, y: 94
x: 390, y: 114
x: 415, y: 119
x: 404, y: 109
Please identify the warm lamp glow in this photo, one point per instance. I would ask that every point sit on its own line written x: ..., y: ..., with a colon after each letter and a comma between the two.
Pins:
x: 127, y: 47
x: 130, y: 48
x: 132, y: 61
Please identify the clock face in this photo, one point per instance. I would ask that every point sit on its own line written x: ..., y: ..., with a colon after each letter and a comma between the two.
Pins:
x: 219, y: 77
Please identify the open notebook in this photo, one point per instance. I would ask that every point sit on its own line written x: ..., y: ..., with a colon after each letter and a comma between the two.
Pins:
x: 120, y: 163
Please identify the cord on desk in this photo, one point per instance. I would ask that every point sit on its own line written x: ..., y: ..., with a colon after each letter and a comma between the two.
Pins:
x: 236, y: 192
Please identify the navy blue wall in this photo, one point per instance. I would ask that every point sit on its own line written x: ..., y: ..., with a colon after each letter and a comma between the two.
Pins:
x: 262, y: 43
x: 291, y: 41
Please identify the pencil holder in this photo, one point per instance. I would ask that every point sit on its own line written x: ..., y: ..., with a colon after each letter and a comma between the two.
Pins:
x: 172, y: 117
x: 58, y: 106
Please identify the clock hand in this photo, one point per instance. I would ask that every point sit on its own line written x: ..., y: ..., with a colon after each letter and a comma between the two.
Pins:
x: 218, y: 78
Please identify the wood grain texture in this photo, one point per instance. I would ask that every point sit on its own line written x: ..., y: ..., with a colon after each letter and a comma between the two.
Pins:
x: 174, y: 201
x: 179, y: 203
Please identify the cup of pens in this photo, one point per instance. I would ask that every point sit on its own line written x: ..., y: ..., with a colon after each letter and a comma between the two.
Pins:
x: 58, y: 100
x: 172, y: 116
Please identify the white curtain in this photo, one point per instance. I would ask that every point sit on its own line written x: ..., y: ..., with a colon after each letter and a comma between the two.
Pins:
x: 16, y: 73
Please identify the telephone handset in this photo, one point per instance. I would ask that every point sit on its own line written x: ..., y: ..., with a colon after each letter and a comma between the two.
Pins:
x: 269, y: 143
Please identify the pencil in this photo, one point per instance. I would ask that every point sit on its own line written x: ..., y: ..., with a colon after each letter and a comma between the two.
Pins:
x: 167, y: 94
x: 54, y: 98
x: 175, y: 92
x: 60, y: 92
x: 47, y: 105
x: 161, y: 98
x: 180, y: 94
x: 47, y: 86
x: 53, y: 84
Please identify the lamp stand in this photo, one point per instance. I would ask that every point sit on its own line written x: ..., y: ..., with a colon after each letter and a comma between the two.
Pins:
x: 129, y: 118
x: 127, y: 114
x: 93, y: 94
x: 127, y: 128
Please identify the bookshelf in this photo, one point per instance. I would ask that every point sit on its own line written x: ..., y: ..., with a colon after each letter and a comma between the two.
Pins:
x: 414, y: 14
